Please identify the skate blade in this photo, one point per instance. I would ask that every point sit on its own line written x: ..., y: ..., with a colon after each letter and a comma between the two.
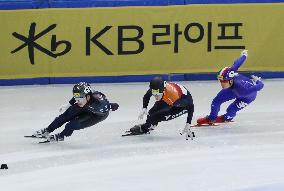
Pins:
x: 212, y: 124
x: 33, y: 136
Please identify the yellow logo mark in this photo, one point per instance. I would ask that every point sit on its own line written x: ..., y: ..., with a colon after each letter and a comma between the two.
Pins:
x: 76, y: 95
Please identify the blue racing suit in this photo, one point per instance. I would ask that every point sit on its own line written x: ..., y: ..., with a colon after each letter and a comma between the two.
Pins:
x: 243, y: 90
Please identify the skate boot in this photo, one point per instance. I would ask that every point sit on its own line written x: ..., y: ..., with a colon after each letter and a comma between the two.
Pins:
x: 136, y: 130
x: 55, y: 138
x: 220, y: 119
x: 41, y: 133
x: 204, y: 120
x: 152, y: 127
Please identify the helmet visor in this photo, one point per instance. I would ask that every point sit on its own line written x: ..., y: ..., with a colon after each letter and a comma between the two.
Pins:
x: 220, y: 77
x: 78, y: 97
x: 224, y: 81
x: 156, y: 92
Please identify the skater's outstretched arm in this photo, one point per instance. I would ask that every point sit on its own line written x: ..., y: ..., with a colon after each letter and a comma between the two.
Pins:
x: 239, y: 62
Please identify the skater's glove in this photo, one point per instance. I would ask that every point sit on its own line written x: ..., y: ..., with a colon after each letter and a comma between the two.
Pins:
x: 187, y: 131
x: 64, y: 107
x: 255, y: 79
x: 244, y: 53
x: 142, y: 113
x: 114, y: 106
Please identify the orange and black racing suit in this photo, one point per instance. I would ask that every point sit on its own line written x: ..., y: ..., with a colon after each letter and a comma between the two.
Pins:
x: 175, y: 102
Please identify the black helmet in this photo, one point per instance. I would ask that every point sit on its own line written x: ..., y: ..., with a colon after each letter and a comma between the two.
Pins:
x: 157, y: 85
x: 81, y: 89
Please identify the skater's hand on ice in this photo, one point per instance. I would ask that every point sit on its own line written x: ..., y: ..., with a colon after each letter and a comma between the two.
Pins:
x: 187, y: 131
x: 255, y: 78
x: 244, y: 53
x: 142, y: 113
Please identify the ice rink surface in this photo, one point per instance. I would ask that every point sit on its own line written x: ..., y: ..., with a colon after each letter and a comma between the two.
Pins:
x: 247, y: 155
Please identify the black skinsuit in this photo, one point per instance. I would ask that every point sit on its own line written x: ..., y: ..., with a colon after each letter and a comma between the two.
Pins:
x: 95, y: 111
x: 161, y: 111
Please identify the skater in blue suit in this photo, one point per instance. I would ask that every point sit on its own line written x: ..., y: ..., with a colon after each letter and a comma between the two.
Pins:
x: 237, y: 87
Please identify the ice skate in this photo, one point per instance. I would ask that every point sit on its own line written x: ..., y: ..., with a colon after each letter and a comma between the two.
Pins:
x: 55, y: 138
x: 204, y: 121
x: 42, y: 133
x: 136, y: 130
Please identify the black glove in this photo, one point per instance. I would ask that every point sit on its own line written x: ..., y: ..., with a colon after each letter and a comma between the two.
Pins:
x: 114, y: 106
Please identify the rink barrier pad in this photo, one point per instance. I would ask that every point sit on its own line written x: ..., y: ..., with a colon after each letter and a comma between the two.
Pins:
x: 129, y: 78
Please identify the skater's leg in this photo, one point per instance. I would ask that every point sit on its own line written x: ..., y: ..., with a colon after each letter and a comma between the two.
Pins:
x: 158, y: 106
x: 81, y: 122
x: 223, y: 96
x: 163, y: 115
x: 236, y: 106
x: 68, y: 115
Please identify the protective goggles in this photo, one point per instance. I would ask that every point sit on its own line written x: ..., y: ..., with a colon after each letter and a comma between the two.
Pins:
x: 78, y: 97
x: 221, y: 79
x: 156, y: 92
x: 224, y: 81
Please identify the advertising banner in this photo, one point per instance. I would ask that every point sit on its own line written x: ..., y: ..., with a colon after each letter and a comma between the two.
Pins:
x: 140, y: 40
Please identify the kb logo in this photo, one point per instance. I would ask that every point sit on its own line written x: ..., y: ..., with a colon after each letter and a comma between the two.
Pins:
x: 4, y: 166
x: 30, y: 42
